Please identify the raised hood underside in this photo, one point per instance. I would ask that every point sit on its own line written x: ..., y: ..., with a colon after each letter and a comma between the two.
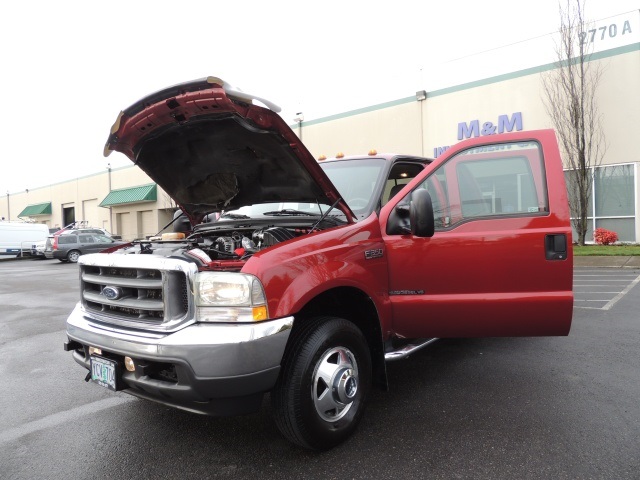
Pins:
x: 210, y: 150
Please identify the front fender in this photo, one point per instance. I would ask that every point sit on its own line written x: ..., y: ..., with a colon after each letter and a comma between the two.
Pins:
x: 327, y: 276
x: 297, y: 271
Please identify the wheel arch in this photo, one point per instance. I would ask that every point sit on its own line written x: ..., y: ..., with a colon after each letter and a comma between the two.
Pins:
x: 353, y: 305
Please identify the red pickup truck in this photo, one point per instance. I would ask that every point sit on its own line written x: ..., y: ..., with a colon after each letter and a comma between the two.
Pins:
x: 313, y: 274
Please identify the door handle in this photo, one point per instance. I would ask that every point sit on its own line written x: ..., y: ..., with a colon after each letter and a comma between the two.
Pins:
x: 556, y: 246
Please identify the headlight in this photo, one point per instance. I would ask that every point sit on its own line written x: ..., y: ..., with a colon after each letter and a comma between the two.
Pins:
x: 229, y: 297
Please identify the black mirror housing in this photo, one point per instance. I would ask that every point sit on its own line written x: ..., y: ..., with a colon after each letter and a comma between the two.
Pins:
x: 421, y: 214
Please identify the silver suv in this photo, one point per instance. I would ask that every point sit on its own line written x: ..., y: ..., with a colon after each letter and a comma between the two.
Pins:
x: 68, y: 246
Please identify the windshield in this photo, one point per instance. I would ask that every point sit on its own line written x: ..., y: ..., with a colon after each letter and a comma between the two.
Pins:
x: 268, y: 209
x: 355, y: 180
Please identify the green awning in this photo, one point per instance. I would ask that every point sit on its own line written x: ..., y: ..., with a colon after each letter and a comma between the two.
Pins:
x: 143, y: 193
x: 36, y: 209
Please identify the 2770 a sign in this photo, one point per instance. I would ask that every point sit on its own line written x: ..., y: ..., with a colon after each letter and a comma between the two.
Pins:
x: 601, y: 33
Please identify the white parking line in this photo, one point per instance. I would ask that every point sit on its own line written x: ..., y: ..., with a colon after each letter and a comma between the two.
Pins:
x: 621, y: 294
x: 605, y: 275
x: 582, y: 285
x: 60, y: 418
x: 601, y: 301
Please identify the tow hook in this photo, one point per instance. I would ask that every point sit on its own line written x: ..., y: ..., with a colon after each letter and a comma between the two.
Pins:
x: 71, y: 345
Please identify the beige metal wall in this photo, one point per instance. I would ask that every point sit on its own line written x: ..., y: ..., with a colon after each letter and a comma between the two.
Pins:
x: 395, y: 129
x: 404, y: 126
x: 86, y: 193
x: 398, y: 128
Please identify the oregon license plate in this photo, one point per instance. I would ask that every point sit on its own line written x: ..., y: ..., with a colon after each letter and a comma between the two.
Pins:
x: 104, y: 372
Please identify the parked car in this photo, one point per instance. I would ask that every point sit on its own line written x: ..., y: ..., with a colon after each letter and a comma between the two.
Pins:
x: 82, y: 226
x: 68, y: 247
x: 38, y: 248
x: 45, y: 249
x: 88, y: 230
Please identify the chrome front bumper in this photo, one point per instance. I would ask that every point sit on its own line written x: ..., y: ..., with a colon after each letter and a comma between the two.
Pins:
x: 220, y: 369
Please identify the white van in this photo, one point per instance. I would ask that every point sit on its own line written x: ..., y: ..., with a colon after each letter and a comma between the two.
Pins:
x: 17, y: 238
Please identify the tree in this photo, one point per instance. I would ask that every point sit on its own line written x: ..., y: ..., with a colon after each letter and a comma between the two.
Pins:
x: 569, y: 97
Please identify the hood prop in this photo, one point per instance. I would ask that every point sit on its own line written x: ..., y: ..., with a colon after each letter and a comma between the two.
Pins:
x: 324, y: 215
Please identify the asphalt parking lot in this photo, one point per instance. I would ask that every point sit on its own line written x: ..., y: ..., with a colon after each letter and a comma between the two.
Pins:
x: 602, y: 288
x: 494, y: 408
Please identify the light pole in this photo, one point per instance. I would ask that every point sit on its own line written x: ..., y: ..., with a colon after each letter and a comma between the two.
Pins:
x: 421, y: 96
x: 299, y: 119
x: 110, y: 215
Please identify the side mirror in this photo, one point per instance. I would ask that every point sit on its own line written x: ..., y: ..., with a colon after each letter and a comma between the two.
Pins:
x: 421, y: 214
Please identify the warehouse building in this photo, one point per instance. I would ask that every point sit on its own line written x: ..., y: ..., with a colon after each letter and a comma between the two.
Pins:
x: 479, y: 99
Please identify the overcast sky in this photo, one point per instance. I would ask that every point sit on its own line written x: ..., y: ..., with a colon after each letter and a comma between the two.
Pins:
x: 69, y: 67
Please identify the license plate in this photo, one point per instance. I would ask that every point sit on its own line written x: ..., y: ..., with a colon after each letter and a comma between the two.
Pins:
x: 104, y: 372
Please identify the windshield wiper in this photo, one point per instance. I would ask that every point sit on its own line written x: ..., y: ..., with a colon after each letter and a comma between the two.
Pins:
x: 234, y: 216
x: 289, y: 212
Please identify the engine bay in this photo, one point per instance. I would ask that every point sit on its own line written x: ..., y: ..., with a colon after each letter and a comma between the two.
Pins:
x: 231, y: 241
x: 241, y: 243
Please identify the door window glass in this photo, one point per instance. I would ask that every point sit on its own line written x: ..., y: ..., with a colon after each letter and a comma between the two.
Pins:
x: 102, y: 239
x: 67, y: 239
x: 493, y: 181
x: 86, y: 238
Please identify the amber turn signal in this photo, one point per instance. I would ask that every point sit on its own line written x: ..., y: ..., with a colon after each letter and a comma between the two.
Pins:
x: 259, y: 313
x: 129, y: 365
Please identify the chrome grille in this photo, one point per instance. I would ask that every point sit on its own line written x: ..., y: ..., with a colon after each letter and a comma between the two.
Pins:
x: 144, y: 295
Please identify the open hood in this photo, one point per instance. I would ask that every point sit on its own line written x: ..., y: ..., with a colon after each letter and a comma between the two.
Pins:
x: 211, y: 149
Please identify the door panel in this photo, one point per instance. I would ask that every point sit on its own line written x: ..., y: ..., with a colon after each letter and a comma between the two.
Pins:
x: 487, y: 270
x: 125, y: 226
x: 146, y: 227
x: 87, y: 243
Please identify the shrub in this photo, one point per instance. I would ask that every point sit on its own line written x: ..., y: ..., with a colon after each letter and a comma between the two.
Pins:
x: 602, y: 236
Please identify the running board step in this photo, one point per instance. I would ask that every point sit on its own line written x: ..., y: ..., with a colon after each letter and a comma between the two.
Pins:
x: 407, y: 350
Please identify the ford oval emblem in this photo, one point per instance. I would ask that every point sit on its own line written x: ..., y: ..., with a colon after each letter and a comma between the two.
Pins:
x: 112, y: 293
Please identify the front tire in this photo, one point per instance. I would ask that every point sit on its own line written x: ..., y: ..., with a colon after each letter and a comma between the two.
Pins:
x: 324, y: 382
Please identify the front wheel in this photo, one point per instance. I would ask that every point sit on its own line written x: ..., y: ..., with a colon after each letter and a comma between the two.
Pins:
x: 73, y: 256
x: 325, y: 378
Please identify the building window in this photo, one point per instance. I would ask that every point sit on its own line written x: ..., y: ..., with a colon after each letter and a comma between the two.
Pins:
x: 612, y: 200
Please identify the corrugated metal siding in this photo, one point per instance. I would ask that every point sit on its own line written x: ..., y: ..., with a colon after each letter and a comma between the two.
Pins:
x: 36, y: 209
x: 142, y: 193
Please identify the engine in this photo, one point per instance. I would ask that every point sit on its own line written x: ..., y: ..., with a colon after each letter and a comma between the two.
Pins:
x: 231, y: 243
x: 250, y: 242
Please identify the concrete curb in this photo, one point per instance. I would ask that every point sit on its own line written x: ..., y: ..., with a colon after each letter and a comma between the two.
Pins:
x: 607, y: 261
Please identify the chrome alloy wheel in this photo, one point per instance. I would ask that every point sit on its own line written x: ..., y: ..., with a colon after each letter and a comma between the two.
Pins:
x: 335, y: 383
